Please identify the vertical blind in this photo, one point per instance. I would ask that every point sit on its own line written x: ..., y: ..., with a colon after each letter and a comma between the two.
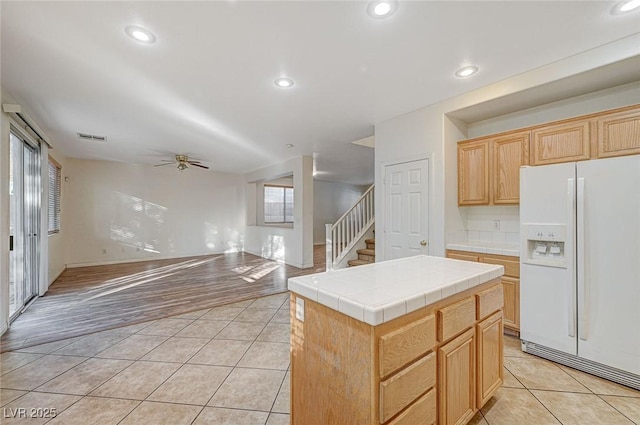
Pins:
x: 55, y: 173
x: 278, y: 204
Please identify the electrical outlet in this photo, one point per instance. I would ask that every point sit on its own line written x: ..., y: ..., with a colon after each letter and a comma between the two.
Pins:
x: 104, y: 251
x: 496, y: 224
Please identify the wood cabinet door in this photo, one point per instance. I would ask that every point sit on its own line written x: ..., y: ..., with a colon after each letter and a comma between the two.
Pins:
x: 457, y: 380
x: 564, y: 142
x: 473, y: 173
x: 490, y: 372
x: 618, y: 134
x: 509, y: 153
x: 511, y: 312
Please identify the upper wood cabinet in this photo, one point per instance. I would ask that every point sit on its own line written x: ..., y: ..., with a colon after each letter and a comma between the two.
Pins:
x: 489, y: 166
x: 617, y: 134
x: 489, y: 169
x: 568, y: 141
x: 509, y: 153
x: 473, y: 173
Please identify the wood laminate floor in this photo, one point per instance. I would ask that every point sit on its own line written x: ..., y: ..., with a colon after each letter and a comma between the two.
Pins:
x: 91, y: 299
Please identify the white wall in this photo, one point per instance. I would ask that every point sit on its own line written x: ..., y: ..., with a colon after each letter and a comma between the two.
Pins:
x: 616, y: 97
x: 430, y: 130
x: 330, y: 201
x: 56, y: 249
x: 115, y: 212
x: 294, y: 245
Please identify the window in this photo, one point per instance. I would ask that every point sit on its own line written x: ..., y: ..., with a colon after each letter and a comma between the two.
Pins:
x: 278, y: 204
x: 55, y: 174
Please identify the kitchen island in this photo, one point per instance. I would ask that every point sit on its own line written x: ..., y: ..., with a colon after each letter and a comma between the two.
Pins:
x: 404, y: 342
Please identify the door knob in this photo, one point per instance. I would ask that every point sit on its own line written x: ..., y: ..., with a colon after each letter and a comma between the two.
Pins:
x: 423, y: 243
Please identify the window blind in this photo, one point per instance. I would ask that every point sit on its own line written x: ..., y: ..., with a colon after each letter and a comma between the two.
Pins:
x: 55, y: 174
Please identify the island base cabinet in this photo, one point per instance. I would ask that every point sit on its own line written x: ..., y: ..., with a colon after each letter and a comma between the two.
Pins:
x: 490, y: 361
x: 457, y: 360
x: 417, y: 369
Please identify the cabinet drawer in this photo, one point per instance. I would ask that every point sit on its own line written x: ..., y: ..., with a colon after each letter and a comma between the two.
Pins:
x: 403, y: 345
x: 422, y: 412
x: 456, y: 318
x: 511, y: 267
x: 489, y: 301
x: 403, y: 388
x: 463, y: 256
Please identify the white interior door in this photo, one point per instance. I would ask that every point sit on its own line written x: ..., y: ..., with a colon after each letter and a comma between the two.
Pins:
x: 608, y: 262
x: 406, y: 226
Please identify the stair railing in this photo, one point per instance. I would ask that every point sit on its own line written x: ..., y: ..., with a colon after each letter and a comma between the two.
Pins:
x: 345, y: 233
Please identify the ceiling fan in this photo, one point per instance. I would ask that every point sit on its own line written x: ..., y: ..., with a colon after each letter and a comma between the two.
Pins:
x: 183, y: 162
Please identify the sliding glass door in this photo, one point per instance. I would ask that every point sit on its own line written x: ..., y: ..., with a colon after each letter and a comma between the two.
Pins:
x: 24, y: 230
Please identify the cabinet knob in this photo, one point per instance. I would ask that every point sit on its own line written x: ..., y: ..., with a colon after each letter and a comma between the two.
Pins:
x: 423, y: 243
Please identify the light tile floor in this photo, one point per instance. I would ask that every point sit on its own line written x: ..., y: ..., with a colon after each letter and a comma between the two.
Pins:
x: 230, y: 365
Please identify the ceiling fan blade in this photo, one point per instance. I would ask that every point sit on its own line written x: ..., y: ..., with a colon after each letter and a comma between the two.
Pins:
x: 167, y: 160
x: 198, y: 165
x: 160, y: 165
x: 194, y: 162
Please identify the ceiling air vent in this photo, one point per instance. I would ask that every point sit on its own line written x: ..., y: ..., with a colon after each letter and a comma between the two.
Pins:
x: 93, y: 137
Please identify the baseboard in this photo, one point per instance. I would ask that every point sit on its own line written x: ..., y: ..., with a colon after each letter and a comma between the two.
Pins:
x: 3, y: 328
x: 57, y: 275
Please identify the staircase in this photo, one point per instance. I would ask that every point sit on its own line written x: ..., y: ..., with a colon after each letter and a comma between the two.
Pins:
x: 349, y: 233
x: 365, y: 256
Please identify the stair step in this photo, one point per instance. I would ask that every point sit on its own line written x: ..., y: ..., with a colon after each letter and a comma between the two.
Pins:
x: 371, y: 243
x: 358, y: 262
x: 367, y: 251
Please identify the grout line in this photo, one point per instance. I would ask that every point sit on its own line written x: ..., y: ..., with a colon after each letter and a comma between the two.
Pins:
x: 543, y: 405
x: 616, y: 409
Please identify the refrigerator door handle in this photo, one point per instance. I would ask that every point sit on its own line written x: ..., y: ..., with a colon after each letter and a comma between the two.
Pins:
x: 583, y: 327
x: 571, y: 218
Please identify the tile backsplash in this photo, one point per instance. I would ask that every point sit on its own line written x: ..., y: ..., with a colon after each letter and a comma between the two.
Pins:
x: 493, y: 224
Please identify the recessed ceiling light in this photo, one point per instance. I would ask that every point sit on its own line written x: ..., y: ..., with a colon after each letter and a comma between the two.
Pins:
x: 625, y: 6
x: 140, y: 34
x: 284, y: 82
x: 382, y: 8
x: 466, y: 71
x: 288, y: 146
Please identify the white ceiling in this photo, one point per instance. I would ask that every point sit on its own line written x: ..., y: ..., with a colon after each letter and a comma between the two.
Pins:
x: 205, y: 87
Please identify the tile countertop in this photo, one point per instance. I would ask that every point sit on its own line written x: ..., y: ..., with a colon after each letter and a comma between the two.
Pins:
x: 380, y: 292
x: 486, y: 248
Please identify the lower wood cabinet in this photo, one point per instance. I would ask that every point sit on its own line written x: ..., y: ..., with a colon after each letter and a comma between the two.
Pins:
x: 490, y: 371
x: 457, y: 361
x: 510, y: 282
x: 511, y: 312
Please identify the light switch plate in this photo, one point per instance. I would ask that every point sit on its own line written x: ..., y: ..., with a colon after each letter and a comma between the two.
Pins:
x: 300, y: 309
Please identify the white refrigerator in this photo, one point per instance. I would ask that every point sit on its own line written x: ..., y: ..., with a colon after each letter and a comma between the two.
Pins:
x: 580, y: 265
